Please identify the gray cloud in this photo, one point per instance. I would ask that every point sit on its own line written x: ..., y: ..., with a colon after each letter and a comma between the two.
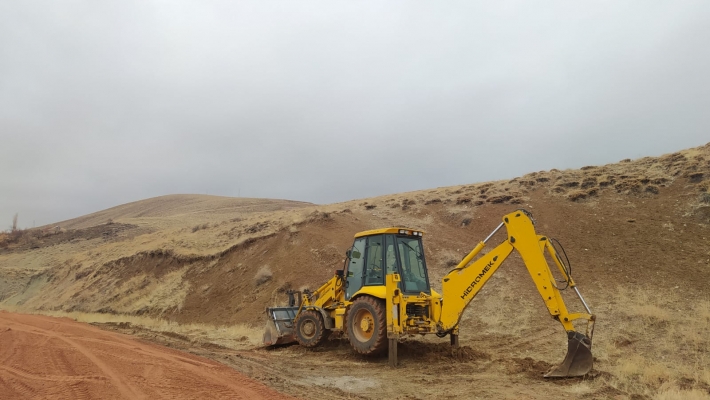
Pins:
x: 103, y: 103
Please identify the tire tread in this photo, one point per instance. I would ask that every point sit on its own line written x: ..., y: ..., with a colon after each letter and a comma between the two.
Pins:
x: 380, y: 344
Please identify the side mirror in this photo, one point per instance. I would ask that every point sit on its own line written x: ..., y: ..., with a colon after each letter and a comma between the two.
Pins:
x: 347, y: 253
x: 339, y: 272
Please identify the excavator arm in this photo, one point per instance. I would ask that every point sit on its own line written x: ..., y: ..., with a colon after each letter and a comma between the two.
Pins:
x: 466, y: 280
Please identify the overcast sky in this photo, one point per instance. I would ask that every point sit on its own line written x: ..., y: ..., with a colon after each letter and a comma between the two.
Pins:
x: 107, y: 102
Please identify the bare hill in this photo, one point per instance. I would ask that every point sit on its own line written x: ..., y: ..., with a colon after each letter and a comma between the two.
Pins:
x: 183, y: 207
x: 636, y: 233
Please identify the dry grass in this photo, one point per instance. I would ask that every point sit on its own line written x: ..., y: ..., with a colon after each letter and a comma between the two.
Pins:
x: 167, y: 222
x: 651, y: 312
x: 581, y: 389
x: 680, y: 394
x: 649, y: 344
x: 168, y: 292
x: 658, y: 345
x: 200, y: 227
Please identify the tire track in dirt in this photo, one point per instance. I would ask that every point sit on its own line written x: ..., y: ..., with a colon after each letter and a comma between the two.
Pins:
x: 44, y: 357
x: 60, y: 361
x: 126, y: 389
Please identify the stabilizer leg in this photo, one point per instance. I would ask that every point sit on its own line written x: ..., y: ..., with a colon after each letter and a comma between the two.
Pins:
x: 393, y: 352
x: 454, y: 340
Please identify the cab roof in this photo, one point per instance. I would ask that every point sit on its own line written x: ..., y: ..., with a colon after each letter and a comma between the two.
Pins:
x: 394, y: 230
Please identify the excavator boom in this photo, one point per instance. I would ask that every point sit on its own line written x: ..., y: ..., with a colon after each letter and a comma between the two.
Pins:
x: 466, y: 280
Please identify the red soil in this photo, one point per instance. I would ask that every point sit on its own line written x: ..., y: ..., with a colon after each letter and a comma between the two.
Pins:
x: 45, y: 357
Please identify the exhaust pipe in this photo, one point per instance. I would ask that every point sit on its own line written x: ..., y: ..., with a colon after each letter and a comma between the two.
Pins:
x: 579, y: 359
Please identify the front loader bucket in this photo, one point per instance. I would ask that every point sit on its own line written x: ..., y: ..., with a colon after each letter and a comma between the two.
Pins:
x: 279, y: 326
x: 578, y: 361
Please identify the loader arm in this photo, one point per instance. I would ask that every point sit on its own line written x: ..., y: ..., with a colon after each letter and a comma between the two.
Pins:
x: 467, y: 279
x: 327, y: 295
x: 280, y: 322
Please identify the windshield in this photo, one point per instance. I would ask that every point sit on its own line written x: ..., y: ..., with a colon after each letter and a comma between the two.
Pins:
x: 414, y: 274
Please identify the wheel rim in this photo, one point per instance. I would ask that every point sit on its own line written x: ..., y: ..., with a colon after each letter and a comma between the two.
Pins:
x: 308, y: 329
x: 363, y: 325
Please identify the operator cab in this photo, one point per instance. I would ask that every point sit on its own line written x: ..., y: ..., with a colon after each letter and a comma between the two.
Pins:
x: 381, y: 252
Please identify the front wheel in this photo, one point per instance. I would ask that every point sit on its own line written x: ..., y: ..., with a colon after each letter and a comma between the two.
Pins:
x: 310, y: 329
x: 367, y: 326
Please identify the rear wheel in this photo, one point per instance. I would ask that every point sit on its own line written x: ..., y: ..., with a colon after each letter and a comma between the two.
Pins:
x: 367, y: 326
x: 310, y: 329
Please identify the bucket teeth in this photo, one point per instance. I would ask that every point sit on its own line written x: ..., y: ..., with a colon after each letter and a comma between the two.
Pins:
x: 578, y: 361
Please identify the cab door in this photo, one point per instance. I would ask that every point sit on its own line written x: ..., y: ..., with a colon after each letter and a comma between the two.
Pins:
x: 374, y: 268
x: 353, y: 280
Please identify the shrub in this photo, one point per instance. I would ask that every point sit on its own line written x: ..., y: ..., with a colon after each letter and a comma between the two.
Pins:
x: 499, y: 199
x: 652, y: 189
x: 589, y: 182
x: 577, y: 195
x: 263, y: 275
x: 318, y: 216
x: 198, y: 227
x: 696, y: 177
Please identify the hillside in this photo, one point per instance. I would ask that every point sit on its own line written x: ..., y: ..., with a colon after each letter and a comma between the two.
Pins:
x: 181, y: 209
x: 636, y: 233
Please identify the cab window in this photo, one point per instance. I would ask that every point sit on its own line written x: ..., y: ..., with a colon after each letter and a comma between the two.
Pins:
x: 414, y: 273
x: 374, y: 273
x: 390, y: 255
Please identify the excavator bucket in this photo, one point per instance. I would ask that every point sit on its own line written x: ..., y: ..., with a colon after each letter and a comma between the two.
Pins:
x: 578, y: 361
x: 279, y: 326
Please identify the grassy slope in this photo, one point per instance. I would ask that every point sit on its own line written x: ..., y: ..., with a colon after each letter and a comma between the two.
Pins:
x: 636, y: 233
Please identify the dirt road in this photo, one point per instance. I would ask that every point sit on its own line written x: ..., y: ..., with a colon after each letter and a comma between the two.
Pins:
x: 45, y: 357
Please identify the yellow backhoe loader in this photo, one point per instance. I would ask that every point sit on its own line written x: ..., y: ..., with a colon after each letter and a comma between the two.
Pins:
x: 383, y: 293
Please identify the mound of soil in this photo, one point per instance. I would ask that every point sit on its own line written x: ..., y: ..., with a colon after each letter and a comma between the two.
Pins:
x: 531, y: 367
x: 426, y: 351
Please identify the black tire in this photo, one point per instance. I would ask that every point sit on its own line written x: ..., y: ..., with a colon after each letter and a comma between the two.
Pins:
x: 310, y: 329
x: 367, y: 326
